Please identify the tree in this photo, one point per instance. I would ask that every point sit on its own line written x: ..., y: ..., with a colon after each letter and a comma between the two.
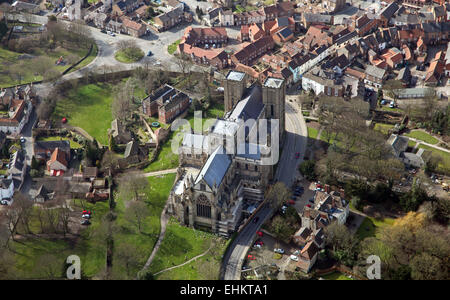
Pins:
x: 307, y: 168
x: 50, y: 266
x: 127, y: 256
x: 131, y: 185
x: 135, y: 213
x: 342, y: 242
x: 123, y: 100
x: 184, y: 63
x: 277, y: 195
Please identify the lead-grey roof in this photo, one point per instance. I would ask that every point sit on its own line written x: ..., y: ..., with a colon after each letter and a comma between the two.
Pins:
x: 215, y: 168
x: 375, y: 71
x: 273, y: 82
x: 249, y: 107
x: 196, y: 141
x: 224, y: 127
x: 235, y: 75
x: 249, y: 150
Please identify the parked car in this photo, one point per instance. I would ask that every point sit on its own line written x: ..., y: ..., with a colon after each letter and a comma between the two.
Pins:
x: 22, y: 139
x: 293, y: 197
x: 86, y: 216
x: 4, y: 202
x: 311, y: 200
x: 259, y: 233
x: 255, y: 219
x: 251, y: 257
x: 149, y: 53
x: 294, y: 257
x: 257, y: 246
x: 103, y: 31
x: 278, y: 250
x: 85, y: 222
x: 291, y: 202
x: 297, y: 155
x: 296, y: 252
x: 259, y: 242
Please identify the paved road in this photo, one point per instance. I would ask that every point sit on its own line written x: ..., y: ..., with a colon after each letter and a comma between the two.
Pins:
x: 28, y: 148
x: 287, y: 171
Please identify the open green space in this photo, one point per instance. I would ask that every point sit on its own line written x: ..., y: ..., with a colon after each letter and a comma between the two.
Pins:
x: 423, y: 136
x: 17, y: 70
x: 383, y: 128
x: 144, y: 241
x: 173, y: 47
x: 444, y: 163
x: 73, y: 145
x: 179, y: 245
x: 129, y: 55
x: 312, y: 133
x: 370, y: 226
x: 88, y: 107
x: 36, y: 256
x: 336, y: 276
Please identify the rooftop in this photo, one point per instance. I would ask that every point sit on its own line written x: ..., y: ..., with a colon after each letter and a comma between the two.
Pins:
x: 235, y: 75
x: 274, y: 83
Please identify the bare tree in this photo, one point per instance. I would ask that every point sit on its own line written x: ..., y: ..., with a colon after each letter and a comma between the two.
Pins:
x: 277, y: 195
x: 135, y: 213
x: 131, y: 185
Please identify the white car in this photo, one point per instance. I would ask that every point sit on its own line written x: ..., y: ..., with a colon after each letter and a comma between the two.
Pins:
x: 4, y: 202
x: 296, y: 252
x: 86, y: 216
x: 294, y: 258
x: 22, y: 139
x: 278, y: 250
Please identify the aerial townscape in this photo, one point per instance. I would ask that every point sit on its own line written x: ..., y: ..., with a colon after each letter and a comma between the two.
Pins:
x: 224, y: 139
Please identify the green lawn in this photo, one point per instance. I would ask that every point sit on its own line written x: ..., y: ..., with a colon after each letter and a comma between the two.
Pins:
x: 144, y: 242
x: 88, y: 59
x: 370, y: 226
x: 312, y: 133
x: 444, y: 164
x: 88, y: 107
x: 383, y: 128
x: 411, y: 144
x: 92, y: 253
x: 179, y: 245
x: 336, y: 276
x: 129, y: 55
x: 173, y: 47
x: 423, y: 136
x: 73, y: 145
x: 9, y: 60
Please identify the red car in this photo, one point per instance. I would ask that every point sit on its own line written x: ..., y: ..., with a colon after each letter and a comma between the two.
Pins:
x: 308, y: 205
x: 259, y: 233
x: 259, y: 242
x: 251, y: 257
x: 297, y: 155
x: 291, y: 202
x: 64, y: 120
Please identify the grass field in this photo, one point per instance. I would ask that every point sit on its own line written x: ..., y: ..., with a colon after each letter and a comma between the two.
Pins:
x: 383, y: 128
x: 9, y: 60
x: 144, y: 242
x: 181, y: 244
x: 88, y: 107
x: 30, y: 253
x: 312, y: 133
x: 370, y: 226
x: 336, y: 276
x: 173, y: 47
x: 423, y: 136
x: 444, y: 164
x: 129, y: 55
x: 73, y: 145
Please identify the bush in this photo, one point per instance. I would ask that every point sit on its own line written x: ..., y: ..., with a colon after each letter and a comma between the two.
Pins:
x: 356, y: 202
x: 307, y: 168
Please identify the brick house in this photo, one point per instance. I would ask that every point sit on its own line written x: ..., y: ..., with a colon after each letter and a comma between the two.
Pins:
x: 167, y: 102
x: 251, y: 51
x: 169, y: 19
x: 133, y: 28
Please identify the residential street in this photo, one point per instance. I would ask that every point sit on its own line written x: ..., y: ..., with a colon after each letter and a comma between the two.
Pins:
x: 287, y: 171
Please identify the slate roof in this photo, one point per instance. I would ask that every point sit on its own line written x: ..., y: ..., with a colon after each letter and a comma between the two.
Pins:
x: 215, y: 168
x: 398, y: 143
x: 389, y: 10
x: 249, y: 107
x: 375, y: 72
x: 249, y: 150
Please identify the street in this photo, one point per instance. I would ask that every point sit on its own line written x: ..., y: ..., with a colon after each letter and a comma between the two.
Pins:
x: 287, y: 171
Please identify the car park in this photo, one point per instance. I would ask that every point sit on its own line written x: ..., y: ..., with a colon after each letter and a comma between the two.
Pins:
x: 278, y: 250
x: 294, y: 257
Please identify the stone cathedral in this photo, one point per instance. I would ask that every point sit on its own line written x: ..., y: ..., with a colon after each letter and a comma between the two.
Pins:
x: 224, y: 171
